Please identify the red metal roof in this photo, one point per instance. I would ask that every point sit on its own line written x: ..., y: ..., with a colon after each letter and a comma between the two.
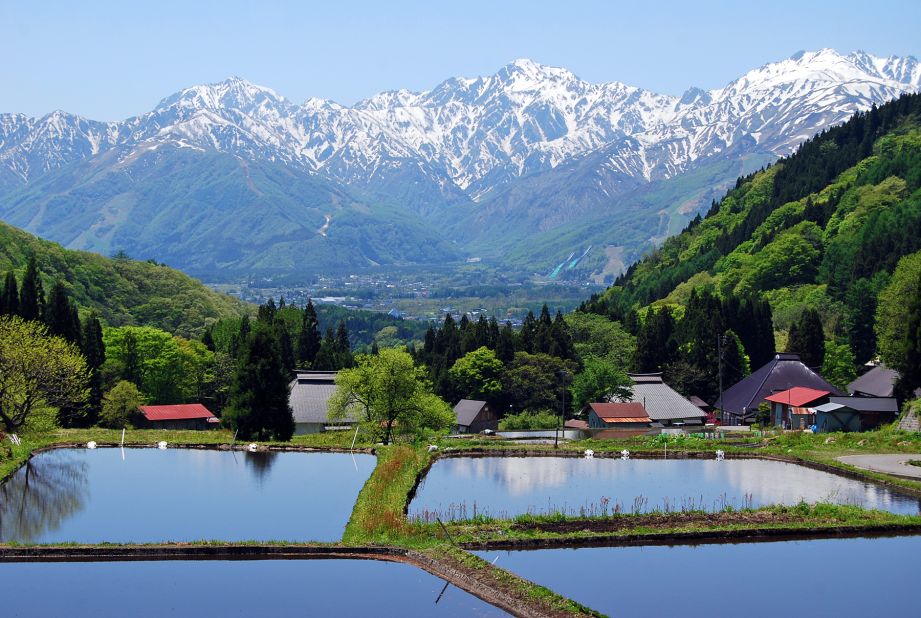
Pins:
x: 181, y: 412
x: 797, y: 396
x: 632, y: 412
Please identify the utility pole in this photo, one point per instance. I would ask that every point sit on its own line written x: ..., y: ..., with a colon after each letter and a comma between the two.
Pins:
x: 556, y: 435
x: 720, y: 344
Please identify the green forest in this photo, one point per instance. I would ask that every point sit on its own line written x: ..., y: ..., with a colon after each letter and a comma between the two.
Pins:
x: 120, y: 290
x: 828, y: 237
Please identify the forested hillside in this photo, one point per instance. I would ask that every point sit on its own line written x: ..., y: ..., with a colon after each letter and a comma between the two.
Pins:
x: 820, y: 233
x: 121, y: 290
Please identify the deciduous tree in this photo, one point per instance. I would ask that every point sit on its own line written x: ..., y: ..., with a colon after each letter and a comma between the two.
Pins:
x: 120, y: 405
x: 388, y: 393
x: 37, y: 371
x: 600, y: 381
x: 477, y: 375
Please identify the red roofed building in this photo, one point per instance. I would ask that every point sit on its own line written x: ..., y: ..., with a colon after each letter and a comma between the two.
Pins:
x: 793, y: 408
x: 182, y: 416
x: 618, y: 415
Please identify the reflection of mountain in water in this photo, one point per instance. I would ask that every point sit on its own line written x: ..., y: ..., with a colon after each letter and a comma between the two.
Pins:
x: 705, y: 484
x: 775, y: 482
x: 260, y: 463
x: 41, y: 494
x: 520, y: 475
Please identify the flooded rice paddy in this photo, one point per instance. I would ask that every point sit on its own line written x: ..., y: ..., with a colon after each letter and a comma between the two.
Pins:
x: 464, y: 487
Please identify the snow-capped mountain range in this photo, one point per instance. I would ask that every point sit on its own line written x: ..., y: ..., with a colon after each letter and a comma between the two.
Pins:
x: 469, y: 141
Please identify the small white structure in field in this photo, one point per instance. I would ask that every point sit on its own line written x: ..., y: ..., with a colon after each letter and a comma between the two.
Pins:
x: 432, y: 448
x: 161, y: 445
x: 625, y: 454
x: 253, y: 447
x: 589, y: 453
x: 720, y: 455
x: 91, y: 444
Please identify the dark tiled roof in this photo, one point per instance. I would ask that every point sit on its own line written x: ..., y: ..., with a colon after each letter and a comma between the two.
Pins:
x: 467, y: 410
x: 697, y: 401
x: 782, y: 372
x: 868, y: 404
x: 879, y: 382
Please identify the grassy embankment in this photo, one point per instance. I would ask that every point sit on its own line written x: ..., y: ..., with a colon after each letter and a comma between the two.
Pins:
x: 805, y: 519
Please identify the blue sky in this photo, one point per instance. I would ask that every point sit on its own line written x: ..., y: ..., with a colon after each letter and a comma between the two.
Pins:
x: 111, y: 60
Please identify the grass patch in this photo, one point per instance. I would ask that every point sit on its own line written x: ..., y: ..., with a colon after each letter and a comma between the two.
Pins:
x: 500, y: 578
x: 379, y: 513
x: 802, y: 516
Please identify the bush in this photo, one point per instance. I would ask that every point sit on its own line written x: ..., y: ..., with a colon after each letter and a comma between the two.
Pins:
x: 543, y: 419
x: 120, y: 405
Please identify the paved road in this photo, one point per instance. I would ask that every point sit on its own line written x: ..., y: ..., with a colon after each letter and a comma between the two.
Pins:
x: 889, y: 464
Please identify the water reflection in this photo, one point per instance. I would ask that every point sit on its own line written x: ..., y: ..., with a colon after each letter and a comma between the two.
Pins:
x: 506, y: 486
x: 41, y: 495
x: 260, y: 462
x: 91, y: 496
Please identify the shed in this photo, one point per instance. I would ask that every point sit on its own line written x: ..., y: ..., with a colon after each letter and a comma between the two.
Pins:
x: 836, y: 417
x: 740, y: 402
x: 618, y: 415
x: 475, y: 416
x: 309, y: 398
x: 792, y: 408
x: 181, y: 416
x: 871, y: 411
x: 662, y: 403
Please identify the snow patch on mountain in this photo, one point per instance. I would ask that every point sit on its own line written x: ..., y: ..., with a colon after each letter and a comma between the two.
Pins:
x: 472, y: 136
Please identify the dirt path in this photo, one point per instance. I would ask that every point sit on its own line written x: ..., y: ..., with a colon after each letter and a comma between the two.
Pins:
x: 887, y: 464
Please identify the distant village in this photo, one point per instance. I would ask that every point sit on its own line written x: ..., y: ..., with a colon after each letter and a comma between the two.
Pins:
x: 784, y: 394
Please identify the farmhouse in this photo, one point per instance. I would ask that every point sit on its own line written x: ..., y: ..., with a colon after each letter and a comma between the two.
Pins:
x: 475, y: 416
x: 740, y: 402
x: 617, y: 416
x: 792, y: 408
x: 182, y: 416
x: 310, y: 393
x: 662, y: 403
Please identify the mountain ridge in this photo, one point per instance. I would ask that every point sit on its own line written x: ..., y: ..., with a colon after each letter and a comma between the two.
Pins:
x: 471, y: 153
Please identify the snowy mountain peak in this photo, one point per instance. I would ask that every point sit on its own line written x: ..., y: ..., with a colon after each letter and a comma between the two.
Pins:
x: 469, y: 137
x: 232, y: 93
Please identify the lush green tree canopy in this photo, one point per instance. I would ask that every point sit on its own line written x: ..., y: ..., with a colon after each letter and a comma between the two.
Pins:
x: 120, y: 405
x: 596, y: 336
x: 600, y: 381
x: 389, y: 394
x: 37, y: 371
x: 167, y: 368
x: 477, y: 375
